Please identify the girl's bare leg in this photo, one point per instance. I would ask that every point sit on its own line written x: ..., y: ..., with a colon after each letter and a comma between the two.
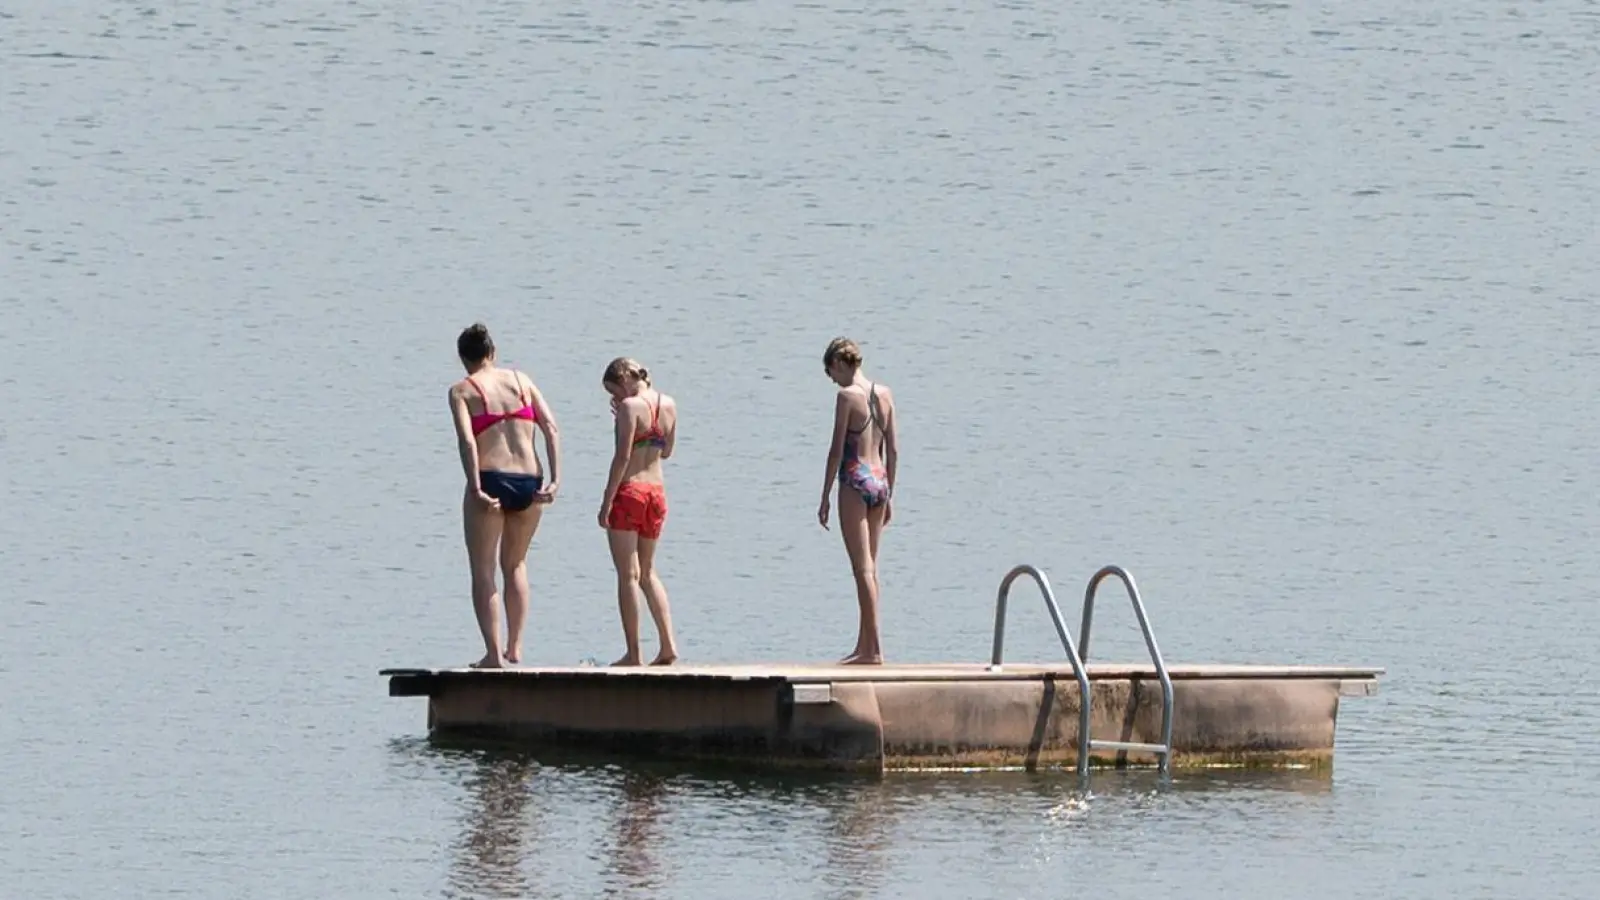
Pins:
x: 875, y: 523
x: 517, y: 534
x: 855, y: 527
x: 482, y: 528
x: 625, y: 556
x: 655, y: 593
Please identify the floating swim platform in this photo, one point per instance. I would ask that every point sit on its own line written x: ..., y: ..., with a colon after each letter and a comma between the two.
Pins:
x: 993, y: 715
x: 900, y: 717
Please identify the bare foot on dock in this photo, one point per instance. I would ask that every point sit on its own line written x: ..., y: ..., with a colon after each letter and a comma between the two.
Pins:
x: 664, y: 660
x: 859, y: 659
x: 488, y: 662
x: 514, y: 656
x: 627, y: 661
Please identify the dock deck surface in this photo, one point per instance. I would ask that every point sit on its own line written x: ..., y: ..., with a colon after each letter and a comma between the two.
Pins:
x: 812, y: 672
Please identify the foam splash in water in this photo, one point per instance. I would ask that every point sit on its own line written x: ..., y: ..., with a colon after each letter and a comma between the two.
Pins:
x: 1069, y: 808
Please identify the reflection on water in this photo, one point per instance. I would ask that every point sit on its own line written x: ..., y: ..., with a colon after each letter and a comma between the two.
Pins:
x: 635, y: 869
x: 530, y: 828
x: 860, y: 826
x: 499, y: 817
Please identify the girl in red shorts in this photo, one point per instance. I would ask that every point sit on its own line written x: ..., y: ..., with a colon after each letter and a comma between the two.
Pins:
x: 635, y: 504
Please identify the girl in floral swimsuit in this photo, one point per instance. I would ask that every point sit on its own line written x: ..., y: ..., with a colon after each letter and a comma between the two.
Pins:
x: 862, y: 458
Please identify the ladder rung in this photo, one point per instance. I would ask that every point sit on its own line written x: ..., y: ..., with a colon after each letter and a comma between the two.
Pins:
x: 1128, y: 745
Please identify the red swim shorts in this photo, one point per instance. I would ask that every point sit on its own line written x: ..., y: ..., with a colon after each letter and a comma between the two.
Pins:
x: 639, y: 506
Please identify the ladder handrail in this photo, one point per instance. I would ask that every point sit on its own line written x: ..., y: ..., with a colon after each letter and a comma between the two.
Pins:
x: 1066, y: 642
x: 1149, y: 643
x: 1086, y: 744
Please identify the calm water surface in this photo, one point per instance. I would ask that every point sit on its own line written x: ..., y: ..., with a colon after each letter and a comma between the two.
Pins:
x: 1289, y: 309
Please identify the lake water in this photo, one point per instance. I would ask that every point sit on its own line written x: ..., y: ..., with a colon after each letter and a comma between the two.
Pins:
x: 1290, y: 309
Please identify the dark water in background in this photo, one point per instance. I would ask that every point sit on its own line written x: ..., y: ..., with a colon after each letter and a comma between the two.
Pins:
x: 1288, y: 310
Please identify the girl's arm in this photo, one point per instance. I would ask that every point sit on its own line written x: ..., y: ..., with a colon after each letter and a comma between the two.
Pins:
x: 891, y: 445
x: 552, y: 438
x: 622, y: 453
x: 841, y: 421
x: 465, y: 443
x: 672, y: 433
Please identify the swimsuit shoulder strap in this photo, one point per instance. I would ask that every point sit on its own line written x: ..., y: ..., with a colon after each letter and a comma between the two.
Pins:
x: 875, y: 414
x: 479, y: 388
x: 517, y: 377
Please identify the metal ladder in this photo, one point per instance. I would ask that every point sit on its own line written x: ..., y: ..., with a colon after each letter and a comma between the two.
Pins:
x: 1086, y: 744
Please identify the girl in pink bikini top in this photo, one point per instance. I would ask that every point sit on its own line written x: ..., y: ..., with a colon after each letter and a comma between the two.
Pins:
x: 485, y: 420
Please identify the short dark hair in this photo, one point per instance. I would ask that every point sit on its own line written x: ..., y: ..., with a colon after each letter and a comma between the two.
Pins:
x: 474, y: 345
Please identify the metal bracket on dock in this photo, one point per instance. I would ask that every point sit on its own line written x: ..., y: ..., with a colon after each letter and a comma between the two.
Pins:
x: 1358, y: 687
x: 810, y: 693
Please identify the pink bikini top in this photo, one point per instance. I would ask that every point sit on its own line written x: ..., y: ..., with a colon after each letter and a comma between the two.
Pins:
x: 486, y: 420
